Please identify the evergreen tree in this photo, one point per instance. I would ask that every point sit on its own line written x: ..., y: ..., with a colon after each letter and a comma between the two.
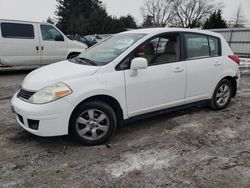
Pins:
x: 72, y: 15
x: 50, y: 20
x: 99, y: 23
x: 84, y: 17
x: 148, y: 21
x: 128, y: 22
x: 215, y: 21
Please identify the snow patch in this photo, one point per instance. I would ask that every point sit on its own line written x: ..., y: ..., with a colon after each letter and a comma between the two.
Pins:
x: 137, y: 161
x: 227, y: 133
x: 193, y: 124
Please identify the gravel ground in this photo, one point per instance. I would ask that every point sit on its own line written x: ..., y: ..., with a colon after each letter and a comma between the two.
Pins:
x: 196, y: 147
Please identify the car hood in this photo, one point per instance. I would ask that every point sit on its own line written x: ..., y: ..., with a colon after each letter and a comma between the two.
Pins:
x: 73, y: 43
x: 54, y: 73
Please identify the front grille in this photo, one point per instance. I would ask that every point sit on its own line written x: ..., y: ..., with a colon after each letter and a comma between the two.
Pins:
x: 24, y: 94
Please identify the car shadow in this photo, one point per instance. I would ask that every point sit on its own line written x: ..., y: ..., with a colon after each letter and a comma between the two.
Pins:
x: 156, y: 123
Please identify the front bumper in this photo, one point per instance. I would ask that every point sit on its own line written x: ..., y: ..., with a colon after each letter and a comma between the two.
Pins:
x: 53, y: 118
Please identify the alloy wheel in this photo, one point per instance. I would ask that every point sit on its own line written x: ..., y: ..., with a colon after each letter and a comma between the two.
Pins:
x: 92, y: 124
x: 223, y: 95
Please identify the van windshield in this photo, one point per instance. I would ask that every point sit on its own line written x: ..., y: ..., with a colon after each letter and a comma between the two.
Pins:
x: 109, y: 49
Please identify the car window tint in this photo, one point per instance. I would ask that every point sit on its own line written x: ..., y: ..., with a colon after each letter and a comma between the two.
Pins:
x: 160, y: 50
x: 49, y: 33
x: 16, y: 30
x: 214, y: 46
x: 197, y: 45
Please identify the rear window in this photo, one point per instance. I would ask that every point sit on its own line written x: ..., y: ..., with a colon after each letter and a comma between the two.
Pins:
x: 202, y: 46
x: 16, y: 30
x: 214, y: 46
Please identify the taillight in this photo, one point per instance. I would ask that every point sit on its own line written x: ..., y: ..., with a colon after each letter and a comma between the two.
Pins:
x: 235, y: 58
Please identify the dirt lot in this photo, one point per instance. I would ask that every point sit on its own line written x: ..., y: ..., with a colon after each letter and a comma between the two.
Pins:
x: 196, y: 147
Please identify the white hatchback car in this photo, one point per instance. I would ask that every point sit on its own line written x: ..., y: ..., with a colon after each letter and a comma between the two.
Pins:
x: 125, y: 77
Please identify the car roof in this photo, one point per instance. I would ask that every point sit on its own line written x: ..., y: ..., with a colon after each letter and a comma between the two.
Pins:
x: 155, y: 31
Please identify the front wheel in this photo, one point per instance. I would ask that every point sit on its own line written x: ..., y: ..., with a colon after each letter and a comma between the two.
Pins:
x: 222, y: 95
x: 93, y: 123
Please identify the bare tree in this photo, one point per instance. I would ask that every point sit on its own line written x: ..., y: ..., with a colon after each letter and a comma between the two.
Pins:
x: 192, y: 13
x: 160, y: 11
x: 238, y: 20
x: 180, y: 13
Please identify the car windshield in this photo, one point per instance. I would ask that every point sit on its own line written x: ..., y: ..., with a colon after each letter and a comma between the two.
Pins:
x: 109, y: 49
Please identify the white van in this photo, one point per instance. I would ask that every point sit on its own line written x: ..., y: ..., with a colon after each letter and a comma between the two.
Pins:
x: 30, y: 43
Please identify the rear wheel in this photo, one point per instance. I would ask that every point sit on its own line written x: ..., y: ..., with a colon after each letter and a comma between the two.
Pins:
x: 222, y: 95
x: 93, y: 123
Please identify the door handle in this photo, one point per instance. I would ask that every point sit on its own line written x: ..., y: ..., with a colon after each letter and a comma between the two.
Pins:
x: 217, y: 63
x: 178, y: 69
x: 37, y: 48
x: 42, y: 48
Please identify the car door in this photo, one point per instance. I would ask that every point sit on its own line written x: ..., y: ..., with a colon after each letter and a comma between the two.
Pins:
x: 204, y: 66
x: 19, y: 44
x: 53, y: 44
x: 162, y: 84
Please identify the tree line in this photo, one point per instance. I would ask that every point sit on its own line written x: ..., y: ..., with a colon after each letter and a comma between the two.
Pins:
x: 85, y: 17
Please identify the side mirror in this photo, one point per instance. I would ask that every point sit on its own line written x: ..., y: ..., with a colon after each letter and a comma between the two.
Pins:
x: 138, y: 63
x: 59, y: 38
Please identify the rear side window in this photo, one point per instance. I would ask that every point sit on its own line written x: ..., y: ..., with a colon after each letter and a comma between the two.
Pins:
x: 199, y: 46
x: 214, y: 46
x: 16, y: 30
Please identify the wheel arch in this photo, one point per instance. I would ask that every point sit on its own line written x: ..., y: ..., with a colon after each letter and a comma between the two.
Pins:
x: 234, y: 83
x: 114, y: 104
x: 232, y: 79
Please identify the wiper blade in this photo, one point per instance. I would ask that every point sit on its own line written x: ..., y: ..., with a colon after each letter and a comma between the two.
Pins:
x: 88, y: 61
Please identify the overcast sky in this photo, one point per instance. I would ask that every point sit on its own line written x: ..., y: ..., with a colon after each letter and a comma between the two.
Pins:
x: 40, y: 10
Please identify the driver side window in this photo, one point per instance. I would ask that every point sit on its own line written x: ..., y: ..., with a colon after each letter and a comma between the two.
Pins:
x: 49, y: 33
x: 159, y: 50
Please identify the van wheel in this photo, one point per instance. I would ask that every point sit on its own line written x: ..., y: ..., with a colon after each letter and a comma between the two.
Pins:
x: 93, y: 123
x: 222, y: 95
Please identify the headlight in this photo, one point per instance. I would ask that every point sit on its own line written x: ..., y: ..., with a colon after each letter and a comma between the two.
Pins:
x: 50, y: 93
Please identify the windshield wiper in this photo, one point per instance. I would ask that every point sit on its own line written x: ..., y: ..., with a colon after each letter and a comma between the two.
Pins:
x: 90, y: 62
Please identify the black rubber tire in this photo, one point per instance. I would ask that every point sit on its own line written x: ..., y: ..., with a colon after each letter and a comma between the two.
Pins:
x: 213, y: 104
x: 99, y: 105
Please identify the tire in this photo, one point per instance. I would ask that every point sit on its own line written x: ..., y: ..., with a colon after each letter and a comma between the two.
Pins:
x: 93, y: 123
x: 222, y: 95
